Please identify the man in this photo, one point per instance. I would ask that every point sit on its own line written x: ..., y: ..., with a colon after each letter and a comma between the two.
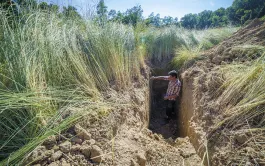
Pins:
x: 173, y: 90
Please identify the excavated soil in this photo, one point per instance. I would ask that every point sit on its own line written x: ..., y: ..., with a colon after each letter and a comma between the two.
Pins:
x: 121, y: 139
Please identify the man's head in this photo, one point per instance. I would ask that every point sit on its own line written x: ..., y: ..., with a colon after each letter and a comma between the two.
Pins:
x: 173, y: 75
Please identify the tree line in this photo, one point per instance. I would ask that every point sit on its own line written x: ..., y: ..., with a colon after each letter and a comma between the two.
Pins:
x: 239, y: 13
x: 15, y: 6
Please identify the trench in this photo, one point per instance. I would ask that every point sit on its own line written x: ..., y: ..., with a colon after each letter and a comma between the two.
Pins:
x: 157, y: 113
x: 180, y: 125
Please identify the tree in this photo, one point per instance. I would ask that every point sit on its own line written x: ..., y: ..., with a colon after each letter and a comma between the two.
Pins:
x: 243, y: 10
x: 44, y: 6
x: 101, y: 12
x: 112, y: 14
x: 118, y: 17
x: 54, y: 8
x: 189, y: 21
x: 204, y: 19
x: 219, y: 18
x: 231, y: 14
x: 71, y: 11
x: 167, y: 20
x: 133, y: 15
x: 154, y: 20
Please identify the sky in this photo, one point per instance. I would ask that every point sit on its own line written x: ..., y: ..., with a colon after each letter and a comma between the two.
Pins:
x: 173, y: 8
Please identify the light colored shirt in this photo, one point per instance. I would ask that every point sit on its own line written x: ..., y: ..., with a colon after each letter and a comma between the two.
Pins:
x: 173, y: 88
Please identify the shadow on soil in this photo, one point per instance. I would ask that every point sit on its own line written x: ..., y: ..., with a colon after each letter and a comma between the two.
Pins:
x: 157, y: 123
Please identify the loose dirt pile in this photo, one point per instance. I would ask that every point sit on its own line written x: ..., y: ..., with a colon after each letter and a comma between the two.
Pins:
x: 227, y: 145
x: 117, y: 138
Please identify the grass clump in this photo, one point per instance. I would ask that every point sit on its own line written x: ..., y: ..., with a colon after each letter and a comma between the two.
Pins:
x: 247, y: 52
x: 51, y: 69
x: 241, y: 103
x: 243, y: 98
x: 191, y: 43
x: 184, y: 55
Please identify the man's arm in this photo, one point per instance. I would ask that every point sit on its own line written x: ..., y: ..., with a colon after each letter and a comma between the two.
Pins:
x: 159, y: 78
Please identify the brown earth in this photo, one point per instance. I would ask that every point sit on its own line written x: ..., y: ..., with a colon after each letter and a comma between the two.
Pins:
x: 121, y: 138
x: 227, y: 145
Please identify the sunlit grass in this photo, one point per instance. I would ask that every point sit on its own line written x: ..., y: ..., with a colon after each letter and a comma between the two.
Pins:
x: 165, y: 43
x: 50, y: 66
x: 184, y: 55
x: 243, y: 96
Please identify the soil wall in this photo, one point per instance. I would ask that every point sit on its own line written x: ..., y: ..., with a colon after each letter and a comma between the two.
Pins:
x: 186, y: 121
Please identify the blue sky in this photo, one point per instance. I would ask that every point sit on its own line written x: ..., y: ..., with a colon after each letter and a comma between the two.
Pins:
x: 174, y: 8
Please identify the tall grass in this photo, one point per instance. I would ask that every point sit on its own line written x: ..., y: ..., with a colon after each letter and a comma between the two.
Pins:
x: 30, y: 118
x: 161, y: 43
x: 51, y: 66
x: 243, y: 98
x: 169, y: 42
x: 185, y: 54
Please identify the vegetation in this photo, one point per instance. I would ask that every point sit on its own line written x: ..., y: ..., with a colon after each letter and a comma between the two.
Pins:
x: 243, y: 11
x: 196, y: 42
x: 239, y: 13
x: 54, y: 65
x: 243, y: 96
x: 51, y: 66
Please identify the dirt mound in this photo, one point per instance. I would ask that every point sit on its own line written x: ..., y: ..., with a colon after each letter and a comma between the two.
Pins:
x: 227, y: 145
x: 237, y: 47
x: 118, y: 138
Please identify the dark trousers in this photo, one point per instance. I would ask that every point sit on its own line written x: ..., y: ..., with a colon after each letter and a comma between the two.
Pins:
x: 170, y: 107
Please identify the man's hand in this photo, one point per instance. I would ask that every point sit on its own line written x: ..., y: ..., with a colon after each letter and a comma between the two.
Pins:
x: 170, y: 97
x: 166, y: 97
x: 152, y: 78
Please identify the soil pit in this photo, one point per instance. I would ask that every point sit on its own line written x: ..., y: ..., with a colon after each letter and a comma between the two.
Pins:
x: 158, y: 123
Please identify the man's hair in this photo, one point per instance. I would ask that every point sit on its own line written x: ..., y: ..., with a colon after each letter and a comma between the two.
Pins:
x: 173, y: 73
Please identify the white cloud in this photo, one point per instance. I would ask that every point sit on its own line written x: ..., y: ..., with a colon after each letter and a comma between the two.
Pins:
x: 211, y: 3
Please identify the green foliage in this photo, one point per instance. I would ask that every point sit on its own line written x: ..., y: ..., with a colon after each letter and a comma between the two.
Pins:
x: 205, y: 19
x: 189, y: 21
x: 112, y: 14
x: 244, y: 10
x: 50, y: 66
x: 102, y: 11
x: 240, y: 12
x: 154, y: 20
x: 132, y: 16
x: 71, y: 12
x: 262, y: 18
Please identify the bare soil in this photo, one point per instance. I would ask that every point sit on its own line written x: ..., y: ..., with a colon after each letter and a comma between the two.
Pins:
x: 121, y: 138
